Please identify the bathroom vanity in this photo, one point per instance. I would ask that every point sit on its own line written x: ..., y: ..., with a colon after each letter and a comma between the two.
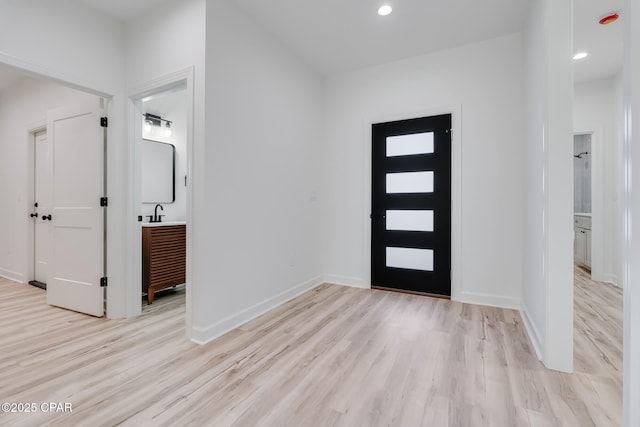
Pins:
x: 582, y: 240
x: 164, y: 256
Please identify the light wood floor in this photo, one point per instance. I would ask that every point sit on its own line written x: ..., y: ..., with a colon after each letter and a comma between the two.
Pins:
x: 333, y: 356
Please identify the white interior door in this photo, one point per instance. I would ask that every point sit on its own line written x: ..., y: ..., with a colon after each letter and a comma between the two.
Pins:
x: 43, y: 199
x: 76, y: 265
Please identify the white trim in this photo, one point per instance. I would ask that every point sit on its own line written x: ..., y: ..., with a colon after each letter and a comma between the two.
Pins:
x: 37, y: 127
x: 205, y: 335
x: 12, y: 275
x: 352, y: 282
x: 490, y: 300
x: 612, y: 279
x: 134, y: 247
x: 532, y: 331
x: 456, y: 190
x: 162, y: 83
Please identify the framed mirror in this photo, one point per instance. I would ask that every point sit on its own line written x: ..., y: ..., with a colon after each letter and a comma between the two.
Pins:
x: 158, y: 172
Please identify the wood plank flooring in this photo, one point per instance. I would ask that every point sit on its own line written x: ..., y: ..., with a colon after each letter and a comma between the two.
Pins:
x: 334, y: 356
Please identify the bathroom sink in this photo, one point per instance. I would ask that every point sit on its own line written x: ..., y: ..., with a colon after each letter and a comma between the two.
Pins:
x: 163, y: 223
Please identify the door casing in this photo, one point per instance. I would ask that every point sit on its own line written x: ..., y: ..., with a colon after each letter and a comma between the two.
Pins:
x: 42, y: 237
x: 134, y: 248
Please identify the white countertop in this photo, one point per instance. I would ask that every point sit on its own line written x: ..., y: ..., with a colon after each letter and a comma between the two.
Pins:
x: 582, y: 214
x: 163, y: 223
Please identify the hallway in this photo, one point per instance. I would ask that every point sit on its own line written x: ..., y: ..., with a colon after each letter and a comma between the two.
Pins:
x: 598, y: 339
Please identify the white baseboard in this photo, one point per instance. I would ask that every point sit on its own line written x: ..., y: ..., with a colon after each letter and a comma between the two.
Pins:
x: 532, y: 331
x: 205, y: 335
x: 12, y: 275
x: 613, y: 279
x: 489, y: 300
x: 352, y: 282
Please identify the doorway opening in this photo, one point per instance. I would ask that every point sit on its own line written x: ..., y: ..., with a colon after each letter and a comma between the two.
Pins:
x: 54, y: 154
x: 163, y: 197
x: 582, y: 200
x: 161, y: 146
x: 41, y: 202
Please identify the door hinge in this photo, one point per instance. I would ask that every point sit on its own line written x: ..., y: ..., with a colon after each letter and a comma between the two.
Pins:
x: 104, y: 202
x: 104, y: 122
x: 103, y: 282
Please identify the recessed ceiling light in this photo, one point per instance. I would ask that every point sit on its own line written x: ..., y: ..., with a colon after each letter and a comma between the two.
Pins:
x: 385, y: 10
x: 580, y: 55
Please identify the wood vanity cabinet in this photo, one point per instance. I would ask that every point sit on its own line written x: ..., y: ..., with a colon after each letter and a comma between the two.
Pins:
x: 164, y: 258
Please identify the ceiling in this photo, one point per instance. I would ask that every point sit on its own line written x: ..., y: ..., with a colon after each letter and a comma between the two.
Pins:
x: 338, y: 35
x: 602, y: 42
x: 123, y: 10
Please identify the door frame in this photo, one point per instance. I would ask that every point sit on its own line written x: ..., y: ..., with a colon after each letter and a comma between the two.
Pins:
x: 31, y: 131
x: 597, y: 206
x: 456, y: 189
x: 112, y: 109
x: 132, y: 226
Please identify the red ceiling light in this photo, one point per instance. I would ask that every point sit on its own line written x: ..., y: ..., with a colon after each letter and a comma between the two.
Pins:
x: 608, y: 19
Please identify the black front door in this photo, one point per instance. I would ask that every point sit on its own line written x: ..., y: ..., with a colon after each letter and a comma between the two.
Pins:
x: 411, y: 205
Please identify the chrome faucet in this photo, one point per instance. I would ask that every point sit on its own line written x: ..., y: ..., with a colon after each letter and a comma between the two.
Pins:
x: 156, y: 217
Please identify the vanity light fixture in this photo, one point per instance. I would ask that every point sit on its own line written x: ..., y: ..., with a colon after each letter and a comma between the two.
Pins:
x: 147, y: 126
x: 385, y: 10
x: 153, y: 120
x: 580, y: 55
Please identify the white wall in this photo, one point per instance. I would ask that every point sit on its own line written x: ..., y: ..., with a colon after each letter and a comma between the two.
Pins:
x: 22, y: 107
x: 631, y: 206
x: 165, y: 40
x: 84, y: 49
x: 482, y: 83
x: 65, y: 40
x: 171, y: 107
x: 262, y: 229
x: 595, y: 109
x: 547, y: 297
x: 534, y: 292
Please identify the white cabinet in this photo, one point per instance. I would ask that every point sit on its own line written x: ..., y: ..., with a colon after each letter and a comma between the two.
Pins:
x: 582, y: 240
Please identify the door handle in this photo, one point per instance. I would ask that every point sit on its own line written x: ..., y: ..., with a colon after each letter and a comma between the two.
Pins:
x: 34, y: 215
x: 46, y: 217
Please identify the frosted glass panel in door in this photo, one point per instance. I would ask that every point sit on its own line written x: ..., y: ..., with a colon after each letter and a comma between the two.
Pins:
x: 406, y: 220
x: 410, y: 182
x: 407, y: 145
x: 414, y: 259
